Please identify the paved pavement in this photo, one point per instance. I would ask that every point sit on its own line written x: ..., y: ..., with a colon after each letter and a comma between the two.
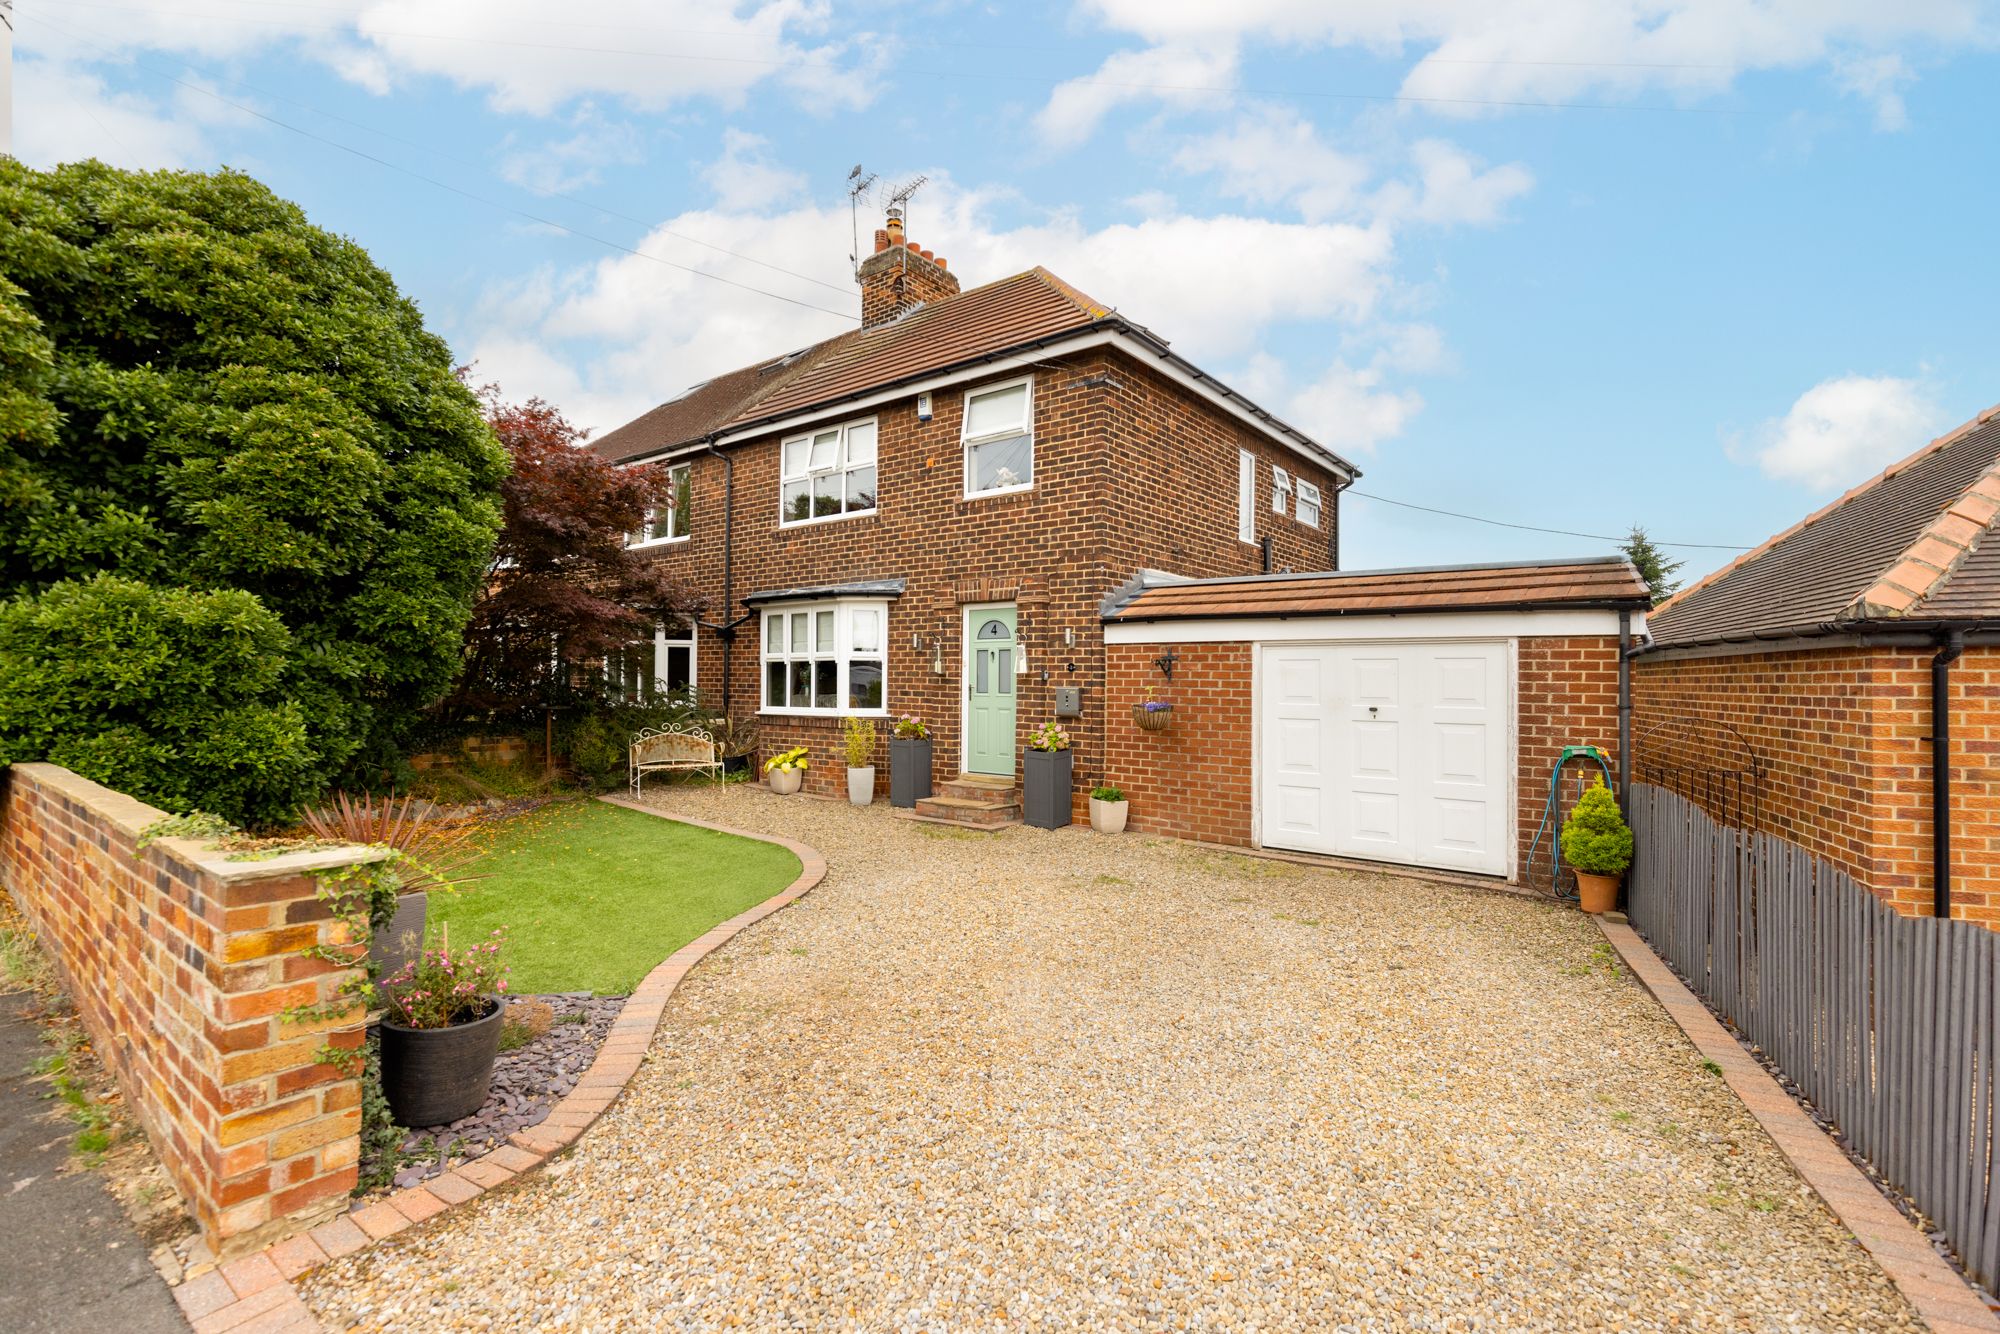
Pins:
x: 71, y: 1260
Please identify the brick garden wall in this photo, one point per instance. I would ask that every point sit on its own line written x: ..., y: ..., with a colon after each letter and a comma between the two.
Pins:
x: 181, y: 964
x: 1131, y: 476
x: 1841, y: 738
x: 1195, y: 781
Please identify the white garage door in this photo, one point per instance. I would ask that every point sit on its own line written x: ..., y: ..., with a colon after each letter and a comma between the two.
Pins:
x: 1394, y: 752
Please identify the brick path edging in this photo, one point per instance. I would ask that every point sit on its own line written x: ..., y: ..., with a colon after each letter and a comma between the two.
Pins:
x: 1941, y: 1298
x: 255, y: 1293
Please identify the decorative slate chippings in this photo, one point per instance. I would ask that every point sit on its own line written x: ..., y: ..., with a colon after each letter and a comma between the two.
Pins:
x: 527, y: 1083
x: 1051, y: 1080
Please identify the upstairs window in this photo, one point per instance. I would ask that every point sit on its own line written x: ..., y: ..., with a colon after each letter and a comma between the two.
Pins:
x: 1281, y: 491
x: 828, y: 474
x: 999, y: 437
x: 669, y: 522
x: 826, y: 657
x: 1308, y: 503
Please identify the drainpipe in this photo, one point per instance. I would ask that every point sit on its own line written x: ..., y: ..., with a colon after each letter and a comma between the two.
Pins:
x: 1267, y: 553
x: 1625, y: 711
x: 1950, y: 646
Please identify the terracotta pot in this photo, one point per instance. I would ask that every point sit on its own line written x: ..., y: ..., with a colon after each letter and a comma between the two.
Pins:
x: 1597, y: 893
x: 1108, y: 817
x: 784, y: 782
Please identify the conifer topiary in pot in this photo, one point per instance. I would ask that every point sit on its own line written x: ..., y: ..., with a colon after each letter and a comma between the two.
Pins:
x: 441, y: 1031
x: 1597, y: 843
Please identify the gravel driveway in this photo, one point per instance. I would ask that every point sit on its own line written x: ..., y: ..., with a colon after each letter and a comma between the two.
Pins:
x: 1053, y: 1080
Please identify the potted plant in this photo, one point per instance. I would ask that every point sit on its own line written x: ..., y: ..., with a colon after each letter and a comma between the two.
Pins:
x: 1597, y: 843
x: 857, y: 738
x: 1154, y: 715
x: 786, y: 770
x: 441, y: 1031
x: 909, y: 761
x: 738, y: 740
x: 1108, y: 808
x: 1046, y: 768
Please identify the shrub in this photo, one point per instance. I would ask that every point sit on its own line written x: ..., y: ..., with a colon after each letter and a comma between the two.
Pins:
x: 1595, y: 838
x: 1049, y: 736
x: 909, y: 727
x: 857, y: 739
x: 175, y: 696
x: 1108, y: 792
x: 438, y: 989
x: 201, y: 390
x: 795, y: 758
x: 436, y: 851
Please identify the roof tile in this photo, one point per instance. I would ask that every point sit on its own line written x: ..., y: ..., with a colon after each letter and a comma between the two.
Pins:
x: 1554, y: 584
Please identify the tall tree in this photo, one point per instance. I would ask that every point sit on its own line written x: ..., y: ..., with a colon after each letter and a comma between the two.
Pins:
x: 566, y: 591
x: 1654, y: 564
x: 201, y: 392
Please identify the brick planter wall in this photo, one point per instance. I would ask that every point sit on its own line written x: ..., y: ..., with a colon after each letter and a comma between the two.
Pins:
x: 1842, y: 739
x: 181, y: 963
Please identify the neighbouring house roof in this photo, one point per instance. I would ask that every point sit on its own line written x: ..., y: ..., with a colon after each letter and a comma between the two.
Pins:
x: 1910, y: 545
x: 862, y: 588
x: 981, y: 324
x: 1598, y: 582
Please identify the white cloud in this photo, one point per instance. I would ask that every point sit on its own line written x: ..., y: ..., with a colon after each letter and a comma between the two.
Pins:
x: 1843, y: 429
x: 66, y: 113
x: 561, y: 165
x: 1880, y: 79
x: 1453, y: 187
x: 1180, y: 76
x: 745, y: 178
x: 1271, y: 155
x: 1494, y: 52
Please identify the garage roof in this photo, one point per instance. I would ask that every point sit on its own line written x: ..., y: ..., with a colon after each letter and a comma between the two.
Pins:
x: 1598, y: 582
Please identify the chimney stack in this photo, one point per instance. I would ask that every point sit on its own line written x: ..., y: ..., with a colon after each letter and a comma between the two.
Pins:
x: 900, y: 276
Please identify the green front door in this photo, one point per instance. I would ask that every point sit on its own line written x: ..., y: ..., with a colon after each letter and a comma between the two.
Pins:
x: 989, y: 695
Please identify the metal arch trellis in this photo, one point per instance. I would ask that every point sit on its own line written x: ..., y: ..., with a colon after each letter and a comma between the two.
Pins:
x: 1733, y: 794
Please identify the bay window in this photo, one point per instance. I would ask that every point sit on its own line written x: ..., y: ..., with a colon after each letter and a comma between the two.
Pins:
x: 826, y: 657
x: 828, y: 474
x: 999, y: 438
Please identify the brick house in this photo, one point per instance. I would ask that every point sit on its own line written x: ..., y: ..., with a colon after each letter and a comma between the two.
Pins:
x: 924, y: 515
x: 980, y: 508
x: 1820, y: 667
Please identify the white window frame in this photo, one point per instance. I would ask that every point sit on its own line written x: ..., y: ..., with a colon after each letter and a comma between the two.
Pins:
x: 1309, y: 496
x: 1281, y: 490
x: 691, y: 642
x: 843, y: 652
x: 1246, y: 496
x: 966, y: 441
x: 841, y: 467
x: 677, y: 527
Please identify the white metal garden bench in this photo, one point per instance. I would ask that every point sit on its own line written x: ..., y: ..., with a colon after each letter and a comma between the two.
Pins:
x: 666, y: 750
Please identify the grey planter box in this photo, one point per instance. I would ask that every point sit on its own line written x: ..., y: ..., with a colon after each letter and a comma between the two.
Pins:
x: 404, y: 938
x: 909, y: 771
x: 1045, y: 795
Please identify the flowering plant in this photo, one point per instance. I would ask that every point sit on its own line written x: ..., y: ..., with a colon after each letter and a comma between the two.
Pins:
x: 1157, y: 705
x: 1049, y: 736
x: 795, y: 758
x: 436, y: 990
x: 909, y: 727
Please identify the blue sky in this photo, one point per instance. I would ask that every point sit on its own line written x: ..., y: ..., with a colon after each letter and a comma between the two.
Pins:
x: 1568, y: 263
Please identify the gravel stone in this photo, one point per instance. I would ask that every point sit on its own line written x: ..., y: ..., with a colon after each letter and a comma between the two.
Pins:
x: 1051, y: 1080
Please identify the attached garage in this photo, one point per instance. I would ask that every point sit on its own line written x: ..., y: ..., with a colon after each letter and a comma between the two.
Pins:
x: 1404, y: 716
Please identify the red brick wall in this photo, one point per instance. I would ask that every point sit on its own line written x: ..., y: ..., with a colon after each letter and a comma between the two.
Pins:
x: 1056, y: 551
x: 1195, y: 781
x: 180, y: 965
x: 1840, y: 737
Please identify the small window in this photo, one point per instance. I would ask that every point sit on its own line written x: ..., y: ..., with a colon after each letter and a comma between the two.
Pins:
x: 1281, y: 491
x: 669, y: 522
x: 1246, y: 496
x: 826, y: 658
x: 828, y: 474
x: 999, y: 439
x: 1308, y: 503
x: 664, y: 667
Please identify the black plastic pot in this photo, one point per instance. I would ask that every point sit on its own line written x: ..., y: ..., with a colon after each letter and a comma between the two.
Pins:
x: 433, y: 1076
x: 909, y: 770
x: 736, y: 764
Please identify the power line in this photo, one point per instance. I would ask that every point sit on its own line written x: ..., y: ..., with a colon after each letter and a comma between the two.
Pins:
x: 459, y: 190
x: 990, y: 77
x: 1531, y: 528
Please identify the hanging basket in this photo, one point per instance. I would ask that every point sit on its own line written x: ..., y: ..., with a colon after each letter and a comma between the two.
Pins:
x: 1153, y: 720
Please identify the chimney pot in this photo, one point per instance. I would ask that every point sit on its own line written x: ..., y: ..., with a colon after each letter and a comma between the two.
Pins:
x: 881, y: 240
x: 940, y: 261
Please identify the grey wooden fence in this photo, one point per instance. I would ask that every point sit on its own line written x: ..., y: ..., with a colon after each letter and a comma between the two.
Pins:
x: 1889, y: 1024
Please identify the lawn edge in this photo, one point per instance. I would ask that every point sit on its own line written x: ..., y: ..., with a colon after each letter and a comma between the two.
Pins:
x: 1941, y: 1299
x: 260, y: 1285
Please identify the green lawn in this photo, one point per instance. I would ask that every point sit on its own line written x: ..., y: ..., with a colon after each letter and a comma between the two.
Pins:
x: 593, y: 896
